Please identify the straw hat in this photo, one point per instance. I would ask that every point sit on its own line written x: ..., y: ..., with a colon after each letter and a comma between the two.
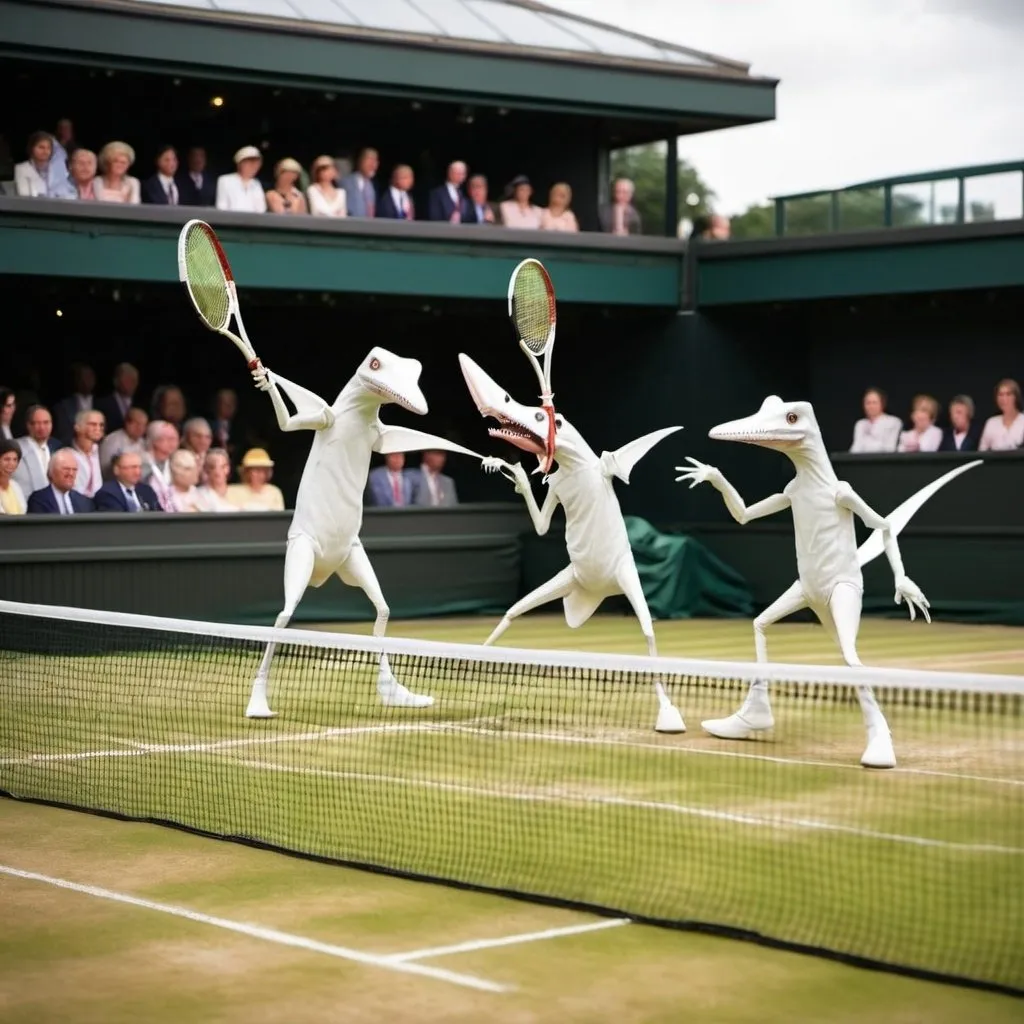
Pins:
x: 247, y: 153
x: 257, y: 458
x: 287, y: 164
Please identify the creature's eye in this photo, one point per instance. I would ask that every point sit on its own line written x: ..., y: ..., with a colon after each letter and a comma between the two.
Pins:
x: 374, y: 363
x: 791, y: 417
x: 558, y: 423
x: 539, y: 417
x: 507, y: 399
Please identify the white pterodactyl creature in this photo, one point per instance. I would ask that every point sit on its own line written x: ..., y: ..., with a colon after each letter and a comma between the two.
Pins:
x: 323, y: 538
x: 600, y: 558
x: 828, y: 560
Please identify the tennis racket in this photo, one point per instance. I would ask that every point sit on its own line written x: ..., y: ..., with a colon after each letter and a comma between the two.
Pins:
x: 531, y: 308
x: 204, y: 270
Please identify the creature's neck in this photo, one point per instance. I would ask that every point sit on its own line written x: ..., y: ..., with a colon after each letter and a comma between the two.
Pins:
x: 580, y: 456
x: 354, y: 400
x: 812, y: 464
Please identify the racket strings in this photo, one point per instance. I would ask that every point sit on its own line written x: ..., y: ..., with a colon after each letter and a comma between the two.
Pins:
x: 206, y: 279
x: 533, y: 309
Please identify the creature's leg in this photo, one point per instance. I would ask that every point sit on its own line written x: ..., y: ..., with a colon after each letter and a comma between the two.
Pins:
x: 669, y: 718
x: 298, y: 568
x: 844, y: 609
x: 756, y: 713
x: 556, y: 587
x: 357, y: 572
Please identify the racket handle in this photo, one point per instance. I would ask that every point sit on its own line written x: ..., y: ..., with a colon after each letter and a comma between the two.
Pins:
x: 254, y: 363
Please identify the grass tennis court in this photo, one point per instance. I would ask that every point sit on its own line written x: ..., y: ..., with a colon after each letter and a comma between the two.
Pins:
x: 132, y: 962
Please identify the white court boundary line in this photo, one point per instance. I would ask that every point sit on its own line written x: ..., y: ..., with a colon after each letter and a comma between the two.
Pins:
x: 832, y: 676
x: 509, y: 940
x: 563, y: 796
x: 266, y: 934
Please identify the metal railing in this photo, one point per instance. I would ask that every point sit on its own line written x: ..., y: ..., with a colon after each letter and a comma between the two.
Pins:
x: 959, y: 195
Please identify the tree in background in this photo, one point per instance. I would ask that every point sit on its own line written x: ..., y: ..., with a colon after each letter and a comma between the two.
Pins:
x: 645, y: 167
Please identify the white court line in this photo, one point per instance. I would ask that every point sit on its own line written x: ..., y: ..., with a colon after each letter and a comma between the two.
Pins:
x: 557, y: 796
x: 508, y: 940
x: 266, y: 934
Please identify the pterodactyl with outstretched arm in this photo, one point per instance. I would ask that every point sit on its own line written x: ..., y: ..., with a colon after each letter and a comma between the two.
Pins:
x: 323, y: 539
x: 600, y: 558
x: 828, y: 560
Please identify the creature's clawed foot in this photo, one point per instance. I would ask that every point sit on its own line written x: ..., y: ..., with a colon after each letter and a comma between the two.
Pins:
x: 669, y: 718
x: 879, y: 752
x: 394, y: 695
x: 258, y: 706
x: 744, y: 725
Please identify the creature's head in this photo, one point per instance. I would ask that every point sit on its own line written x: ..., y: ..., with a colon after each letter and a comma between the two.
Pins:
x: 525, y: 426
x: 391, y: 378
x: 784, y: 426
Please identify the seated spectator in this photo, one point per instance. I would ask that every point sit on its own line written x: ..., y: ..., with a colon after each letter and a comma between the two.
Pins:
x: 12, y: 497
x: 213, y: 495
x: 445, y: 202
x: 477, y: 209
x: 225, y: 408
x: 430, y: 485
x: 60, y: 496
x: 325, y: 198
x: 878, y: 431
x: 923, y: 436
x: 125, y: 492
x: 241, y: 191
x: 162, y: 189
x: 115, y: 406
x: 161, y: 443
x: 285, y: 197
x: 256, y: 493
x: 390, y: 485
x: 183, y: 495
x: 360, y: 190
x: 961, y: 435
x: 130, y: 438
x: 43, y: 174
x: 198, y: 187
x: 1004, y: 432
x: 83, y: 168
x: 711, y: 227
x: 8, y: 406
x: 115, y: 184
x: 558, y: 216
x: 89, y: 425
x: 37, y: 449
x: 197, y: 437
x: 622, y: 217
x: 394, y: 202
x: 65, y: 412
x: 169, y: 404
x: 64, y: 137
x: 517, y: 209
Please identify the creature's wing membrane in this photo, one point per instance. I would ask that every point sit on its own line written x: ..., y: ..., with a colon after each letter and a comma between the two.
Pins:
x: 874, y: 545
x: 620, y: 462
x: 306, y: 403
x: 405, y: 439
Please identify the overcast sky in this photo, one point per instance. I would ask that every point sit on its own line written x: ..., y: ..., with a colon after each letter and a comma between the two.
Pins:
x: 868, y: 88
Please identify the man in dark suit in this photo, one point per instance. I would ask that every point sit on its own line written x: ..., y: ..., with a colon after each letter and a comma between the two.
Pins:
x: 394, y: 202
x: 961, y: 435
x: 198, y: 185
x: 124, y: 493
x: 163, y: 188
x: 60, y: 497
x: 446, y: 202
x: 431, y: 487
x: 115, y: 406
x: 390, y: 485
x: 67, y: 409
x: 476, y: 207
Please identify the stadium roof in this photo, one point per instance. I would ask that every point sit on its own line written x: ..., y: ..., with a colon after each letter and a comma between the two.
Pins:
x: 510, y: 27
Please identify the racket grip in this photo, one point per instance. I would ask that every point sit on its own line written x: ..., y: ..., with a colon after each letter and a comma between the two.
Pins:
x: 254, y: 363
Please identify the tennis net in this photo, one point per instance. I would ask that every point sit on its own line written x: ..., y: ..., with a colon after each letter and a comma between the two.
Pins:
x: 538, y: 774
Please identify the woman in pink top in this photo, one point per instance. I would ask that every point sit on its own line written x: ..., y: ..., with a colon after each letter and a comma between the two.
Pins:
x: 1005, y: 432
x: 517, y: 211
x: 558, y: 216
x: 115, y: 184
x: 924, y: 436
x: 83, y: 173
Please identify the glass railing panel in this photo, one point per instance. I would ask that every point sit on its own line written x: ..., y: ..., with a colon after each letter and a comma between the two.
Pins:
x: 994, y: 197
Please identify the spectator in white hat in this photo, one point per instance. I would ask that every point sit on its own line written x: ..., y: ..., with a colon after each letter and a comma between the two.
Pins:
x: 241, y: 191
x: 284, y: 197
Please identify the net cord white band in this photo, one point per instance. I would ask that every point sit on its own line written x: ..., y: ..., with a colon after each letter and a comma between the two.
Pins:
x: 637, y: 664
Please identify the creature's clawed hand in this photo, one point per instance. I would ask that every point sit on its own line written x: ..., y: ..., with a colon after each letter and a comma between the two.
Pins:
x: 261, y: 378
x: 907, y: 588
x: 697, y: 473
x: 515, y: 473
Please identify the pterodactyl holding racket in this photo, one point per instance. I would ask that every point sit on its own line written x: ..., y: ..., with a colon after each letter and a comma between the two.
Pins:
x: 600, y: 558
x: 323, y: 538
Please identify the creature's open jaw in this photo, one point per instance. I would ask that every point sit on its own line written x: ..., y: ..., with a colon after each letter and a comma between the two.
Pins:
x: 516, y: 433
x: 415, y: 403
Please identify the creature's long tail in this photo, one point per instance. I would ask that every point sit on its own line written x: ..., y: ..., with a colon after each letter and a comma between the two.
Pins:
x: 873, y: 546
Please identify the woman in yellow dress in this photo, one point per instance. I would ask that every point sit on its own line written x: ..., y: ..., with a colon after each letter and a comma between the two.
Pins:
x: 256, y: 493
x: 12, y: 498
